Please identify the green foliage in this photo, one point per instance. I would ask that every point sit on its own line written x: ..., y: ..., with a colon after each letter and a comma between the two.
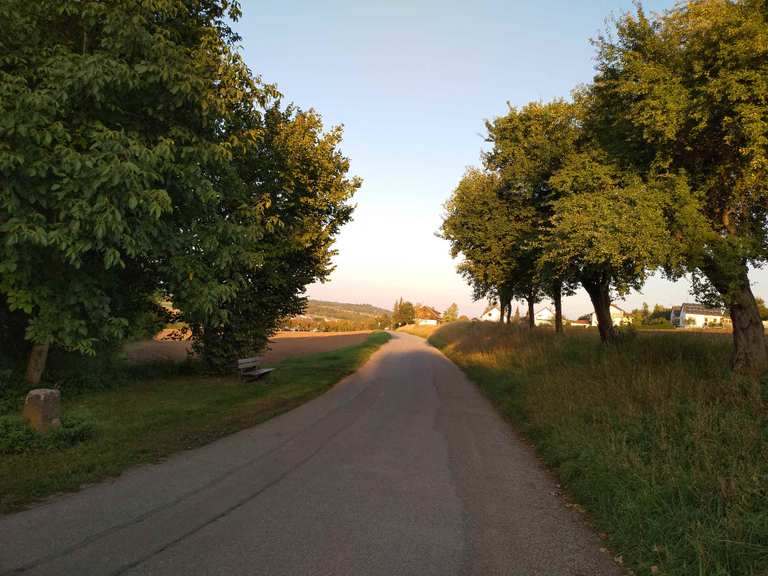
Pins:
x: 18, y: 438
x: 138, y: 154
x: 486, y: 232
x: 680, y: 96
x: 452, y: 313
x: 607, y: 224
x: 403, y: 313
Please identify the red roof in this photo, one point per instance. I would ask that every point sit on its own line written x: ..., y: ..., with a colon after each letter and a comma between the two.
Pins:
x: 427, y: 313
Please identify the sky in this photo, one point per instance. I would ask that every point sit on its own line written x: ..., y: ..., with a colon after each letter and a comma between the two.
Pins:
x: 413, y: 82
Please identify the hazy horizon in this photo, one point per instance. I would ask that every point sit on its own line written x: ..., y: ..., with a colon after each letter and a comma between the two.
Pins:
x: 413, y: 83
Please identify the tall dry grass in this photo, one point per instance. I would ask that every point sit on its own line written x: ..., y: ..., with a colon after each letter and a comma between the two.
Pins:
x: 421, y: 331
x: 664, y: 446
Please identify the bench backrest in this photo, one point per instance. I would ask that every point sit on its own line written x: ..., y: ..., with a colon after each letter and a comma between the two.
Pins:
x: 244, y: 363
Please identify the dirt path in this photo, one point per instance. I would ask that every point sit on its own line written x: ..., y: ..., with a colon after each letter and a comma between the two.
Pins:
x: 283, y: 345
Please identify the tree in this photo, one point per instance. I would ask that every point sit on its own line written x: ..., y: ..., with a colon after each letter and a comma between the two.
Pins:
x: 529, y: 147
x: 106, y: 116
x: 407, y: 313
x: 608, y: 230
x: 293, y: 204
x: 137, y: 150
x: 452, y: 313
x: 490, y: 237
x: 681, y: 97
x: 403, y: 313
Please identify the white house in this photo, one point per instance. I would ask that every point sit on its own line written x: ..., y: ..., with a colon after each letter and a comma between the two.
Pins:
x: 545, y: 316
x: 580, y: 323
x: 491, y: 314
x: 426, y: 316
x: 698, y: 316
x: 618, y: 316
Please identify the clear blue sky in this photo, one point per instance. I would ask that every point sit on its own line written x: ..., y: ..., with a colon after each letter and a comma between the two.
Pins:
x: 412, y: 82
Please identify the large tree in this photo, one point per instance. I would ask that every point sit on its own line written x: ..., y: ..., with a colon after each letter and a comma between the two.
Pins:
x: 139, y: 154
x: 529, y: 145
x: 682, y: 97
x: 607, y: 230
x: 492, y: 239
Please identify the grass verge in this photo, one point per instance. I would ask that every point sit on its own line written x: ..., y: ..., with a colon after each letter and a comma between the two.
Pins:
x: 420, y: 331
x: 145, y: 420
x: 664, y: 446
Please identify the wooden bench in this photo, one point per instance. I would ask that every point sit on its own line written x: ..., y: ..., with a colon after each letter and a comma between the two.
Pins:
x: 249, y: 368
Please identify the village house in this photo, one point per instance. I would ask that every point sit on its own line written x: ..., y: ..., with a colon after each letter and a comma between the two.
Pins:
x: 698, y: 316
x: 544, y: 317
x: 584, y: 321
x: 491, y: 314
x: 426, y: 316
x: 618, y: 316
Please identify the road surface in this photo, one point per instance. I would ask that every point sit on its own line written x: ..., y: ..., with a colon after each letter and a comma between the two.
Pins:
x: 402, y: 469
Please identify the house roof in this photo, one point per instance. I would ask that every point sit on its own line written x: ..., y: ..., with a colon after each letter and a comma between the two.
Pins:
x: 690, y: 308
x: 426, y: 313
x: 619, y: 309
x: 489, y: 308
x: 545, y: 308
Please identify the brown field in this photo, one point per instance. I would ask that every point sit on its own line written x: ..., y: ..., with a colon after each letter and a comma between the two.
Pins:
x: 282, y: 345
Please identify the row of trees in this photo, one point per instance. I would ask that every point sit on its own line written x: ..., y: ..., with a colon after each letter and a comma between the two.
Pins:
x: 404, y: 312
x: 140, y: 159
x: 660, y: 163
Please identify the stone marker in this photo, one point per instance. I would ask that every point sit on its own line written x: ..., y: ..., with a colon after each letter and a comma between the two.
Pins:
x: 42, y: 409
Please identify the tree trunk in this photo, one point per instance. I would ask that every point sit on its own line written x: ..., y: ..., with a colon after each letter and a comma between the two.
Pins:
x: 749, y: 351
x: 36, y: 364
x: 557, y: 299
x: 599, y: 294
x: 749, y: 345
x: 531, y: 320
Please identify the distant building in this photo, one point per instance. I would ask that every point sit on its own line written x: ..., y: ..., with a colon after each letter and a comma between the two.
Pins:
x: 544, y: 317
x: 581, y: 322
x: 426, y: 316
x: 491, y: 314
x: 618, y: 316
x: 698, y: 316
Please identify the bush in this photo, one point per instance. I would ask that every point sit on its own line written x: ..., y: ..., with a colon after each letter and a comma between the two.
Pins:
x: 18, y: 438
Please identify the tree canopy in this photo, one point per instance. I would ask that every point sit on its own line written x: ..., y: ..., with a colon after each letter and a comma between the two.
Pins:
x: 680, y: 96
x: 660, y: 163
x: 139, y: 157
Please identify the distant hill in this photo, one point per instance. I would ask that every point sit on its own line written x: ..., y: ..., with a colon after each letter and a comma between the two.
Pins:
x: 342, y: 311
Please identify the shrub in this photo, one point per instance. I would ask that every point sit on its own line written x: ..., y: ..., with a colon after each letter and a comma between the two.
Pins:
x: 18, y: 438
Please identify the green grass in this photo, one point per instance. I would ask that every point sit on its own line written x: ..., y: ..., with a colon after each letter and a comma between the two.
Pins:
x: 663, y: 445
x: 147, y: 419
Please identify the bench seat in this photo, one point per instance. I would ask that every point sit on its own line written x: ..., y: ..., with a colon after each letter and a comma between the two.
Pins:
x: 250, y: 367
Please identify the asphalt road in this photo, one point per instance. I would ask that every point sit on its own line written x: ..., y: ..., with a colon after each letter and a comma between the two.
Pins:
x: 402, y: 469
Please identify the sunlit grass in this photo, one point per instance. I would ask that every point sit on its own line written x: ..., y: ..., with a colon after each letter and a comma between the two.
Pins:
x: 420, y: 331
x: 151, y: 417
x: 665, y: 447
